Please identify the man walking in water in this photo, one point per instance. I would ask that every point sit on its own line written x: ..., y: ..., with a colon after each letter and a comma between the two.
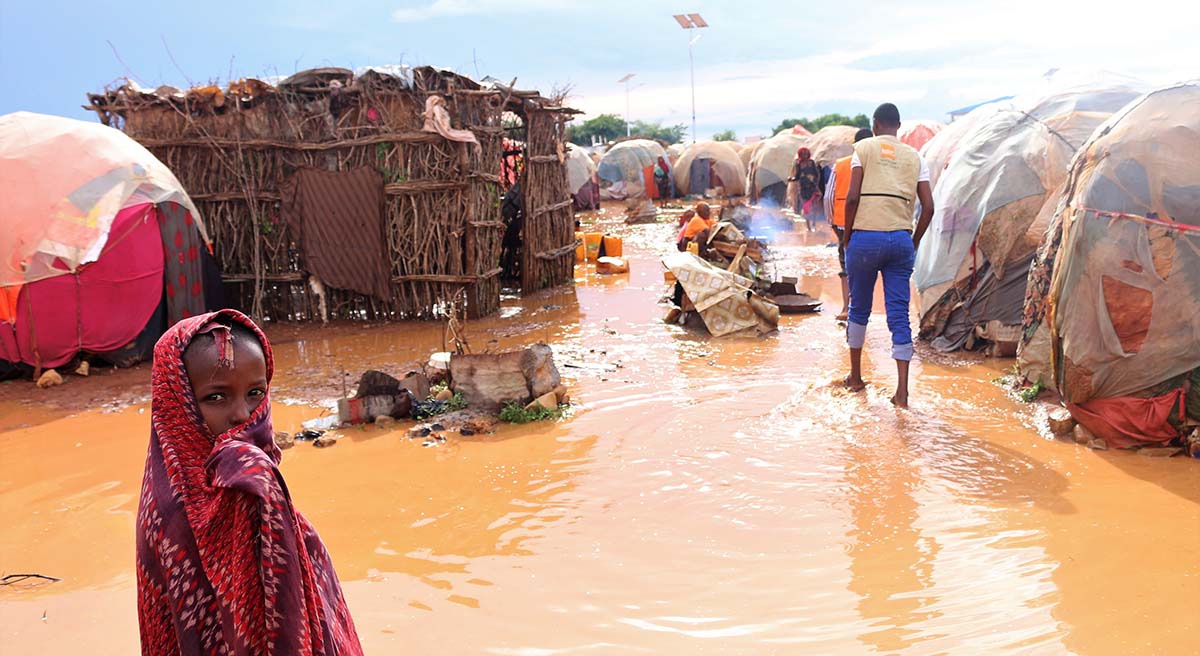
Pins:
x: 886, y: 178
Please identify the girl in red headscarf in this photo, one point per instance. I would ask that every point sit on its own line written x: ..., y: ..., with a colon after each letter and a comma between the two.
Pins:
x: 225, y: 563
x: 807, y: 176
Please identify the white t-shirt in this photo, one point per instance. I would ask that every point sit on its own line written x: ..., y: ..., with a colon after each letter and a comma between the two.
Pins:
x: 923, y: 176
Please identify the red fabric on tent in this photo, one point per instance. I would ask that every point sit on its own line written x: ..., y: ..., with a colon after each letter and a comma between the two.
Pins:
x: 1125, y: 421
x: 648, y: 181
x: 101, y: 309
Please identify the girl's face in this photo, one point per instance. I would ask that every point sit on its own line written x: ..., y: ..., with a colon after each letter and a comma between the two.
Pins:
x: 227, y: 396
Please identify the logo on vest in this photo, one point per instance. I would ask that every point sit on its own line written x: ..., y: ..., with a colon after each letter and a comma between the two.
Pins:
x: 887, y: 151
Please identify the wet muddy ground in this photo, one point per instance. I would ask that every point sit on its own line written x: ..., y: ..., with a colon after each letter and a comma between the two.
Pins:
x: 705, y: 496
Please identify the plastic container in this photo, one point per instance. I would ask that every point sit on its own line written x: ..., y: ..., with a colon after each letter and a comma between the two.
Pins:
x: 581, y: 249
x: 591, y: 244
x: 613, y: 246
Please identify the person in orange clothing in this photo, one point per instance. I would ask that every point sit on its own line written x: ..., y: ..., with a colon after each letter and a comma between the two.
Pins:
x: 697, y: 226
x: 835, y: 208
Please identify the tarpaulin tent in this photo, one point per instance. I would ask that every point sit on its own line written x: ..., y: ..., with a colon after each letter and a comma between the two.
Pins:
x: 941, y: 149
x: 746, y: 154
x: 623, y: 168
x: 708, y: 165
x: 582, y: 179
x: 771, y: 166
x: 1113, y: 309
x: 98, y: 240
x: 832, y: 143
x: 918, y: 133
x: 674, y: 152
x: 796, y: 130
x: 970, y: 268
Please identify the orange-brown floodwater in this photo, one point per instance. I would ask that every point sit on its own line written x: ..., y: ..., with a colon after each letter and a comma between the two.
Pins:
x: 710, y: 496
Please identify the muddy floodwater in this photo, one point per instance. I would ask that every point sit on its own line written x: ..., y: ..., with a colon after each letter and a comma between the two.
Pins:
x: 713, y: 496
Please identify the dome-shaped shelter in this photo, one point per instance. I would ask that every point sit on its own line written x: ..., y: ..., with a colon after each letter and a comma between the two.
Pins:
x: 708, y: 165
x: 972, y: 264
x: 771, y: 166
x: 100, y: 247
x: 1114, y: 292
x: 627, y: 168
x: 582, y: 179
x: 940, y: 149
x: 918, y: 133
x: 796, y: 130
x: 674, y: 152
x: 832, y: 143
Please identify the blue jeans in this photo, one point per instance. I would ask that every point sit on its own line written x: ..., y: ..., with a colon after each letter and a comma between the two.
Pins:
x: 868, y: 255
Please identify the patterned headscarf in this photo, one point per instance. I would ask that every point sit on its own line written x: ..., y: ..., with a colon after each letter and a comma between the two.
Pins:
x: 225, y: 564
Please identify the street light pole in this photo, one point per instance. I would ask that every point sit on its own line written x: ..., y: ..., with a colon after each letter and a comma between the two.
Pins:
x: 628, y: 125
x: 692, y: 65
x: 692, y: 22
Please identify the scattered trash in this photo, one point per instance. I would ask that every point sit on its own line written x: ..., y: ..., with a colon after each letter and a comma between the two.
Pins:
x: 1062, y: 424
x: 612, y: 265
x: 49, y: 378
x: 324, y: 441
x: 384, y: 422
x: 308, y: 434
x: 1160, y: 451
x: 284, y: 440
x: 83, y: 369
x: 321, y: 424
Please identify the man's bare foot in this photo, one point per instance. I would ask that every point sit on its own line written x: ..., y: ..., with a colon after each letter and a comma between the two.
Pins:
x: 900, y: 401
x: 853, y: 384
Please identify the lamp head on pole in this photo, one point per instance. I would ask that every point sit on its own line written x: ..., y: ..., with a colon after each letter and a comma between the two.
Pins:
x: 627, y: 78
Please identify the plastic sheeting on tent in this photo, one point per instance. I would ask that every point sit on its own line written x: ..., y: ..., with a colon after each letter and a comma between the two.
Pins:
x: 918, y: 133
x: 674, y: 152
x: 941, y: 149
x: 796, y: 130
x: 772, y: 165
x: 1113, y: 307
x: 622, y: 167
x: 581, y: 178
x: 831, y: 143
x: 987, y: 199
x: 723, y: 168
x: 746, y: 154
x: 83, y: 230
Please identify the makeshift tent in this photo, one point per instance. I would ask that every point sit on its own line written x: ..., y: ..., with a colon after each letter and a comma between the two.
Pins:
x: 796, y: 130
x: 918, y: 133
x: 771, y: 166
x: 942, y: 148
x: 971, y: 267
x: 624, y: 167
x: 832, y: 143
x: 674, y: 151
x: 708, y: 165
x: 1113, y: 308
x: 723, y: 298
x: 582, y: 179
x: 99, y: 244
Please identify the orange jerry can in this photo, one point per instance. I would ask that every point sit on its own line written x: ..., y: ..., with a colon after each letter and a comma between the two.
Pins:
x: 591, y: 242
x: 581, y: 249
x: 613, y: 246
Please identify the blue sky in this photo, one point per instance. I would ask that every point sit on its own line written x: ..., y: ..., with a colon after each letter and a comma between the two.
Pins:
x: 758, y: 63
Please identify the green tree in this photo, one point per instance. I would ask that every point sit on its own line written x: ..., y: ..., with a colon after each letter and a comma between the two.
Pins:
x: 670, y: 134
x: 814, y: 124
x: 608, y: 127
x: 727, y: 135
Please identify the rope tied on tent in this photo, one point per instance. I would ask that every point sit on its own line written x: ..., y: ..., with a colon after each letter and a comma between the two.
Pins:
x: 1152, y: 220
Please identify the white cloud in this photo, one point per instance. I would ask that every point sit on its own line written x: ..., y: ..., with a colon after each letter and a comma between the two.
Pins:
x: 448, y: 8
x: 931, y: 57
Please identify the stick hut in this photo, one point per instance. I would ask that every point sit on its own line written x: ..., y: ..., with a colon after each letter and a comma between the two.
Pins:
x: 235, y: 148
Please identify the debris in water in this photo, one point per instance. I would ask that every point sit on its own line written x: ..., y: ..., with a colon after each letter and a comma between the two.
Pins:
x: 284, y: 440
x: 324, y: 441
x: 49, y: 378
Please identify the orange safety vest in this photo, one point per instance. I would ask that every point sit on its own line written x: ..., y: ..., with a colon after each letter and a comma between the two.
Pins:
x: 841, y: 189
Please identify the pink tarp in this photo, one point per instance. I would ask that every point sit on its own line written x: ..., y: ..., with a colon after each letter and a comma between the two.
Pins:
x: 101, y: 309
